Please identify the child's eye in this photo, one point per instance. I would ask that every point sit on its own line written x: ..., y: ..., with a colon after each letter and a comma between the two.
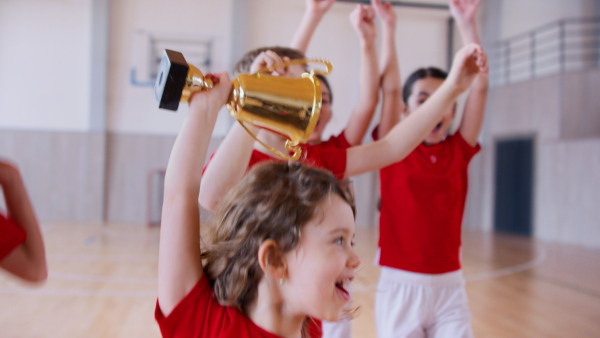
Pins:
x: 352, y: 244
x: 339, y: 240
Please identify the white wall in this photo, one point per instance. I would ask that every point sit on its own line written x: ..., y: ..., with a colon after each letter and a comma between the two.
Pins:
x: 45, y: 64
x: 520, y: 16
x: 133, y: 109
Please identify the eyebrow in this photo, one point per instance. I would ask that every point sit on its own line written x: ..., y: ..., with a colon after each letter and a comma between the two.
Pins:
x: 336, y: 230
x: 423, y: 93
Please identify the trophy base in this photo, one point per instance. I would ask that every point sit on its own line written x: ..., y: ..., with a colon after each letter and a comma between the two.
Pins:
x: 170, y: 80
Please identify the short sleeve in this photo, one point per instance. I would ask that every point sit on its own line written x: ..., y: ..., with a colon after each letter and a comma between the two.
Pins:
x: 468, y: 150
x: 11, y: 236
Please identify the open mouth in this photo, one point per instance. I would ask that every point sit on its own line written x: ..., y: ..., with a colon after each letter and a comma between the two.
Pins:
x: 341, y: 288
x: 437, y: 127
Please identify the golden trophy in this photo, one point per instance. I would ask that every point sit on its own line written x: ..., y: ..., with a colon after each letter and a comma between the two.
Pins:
x: 287, y: 106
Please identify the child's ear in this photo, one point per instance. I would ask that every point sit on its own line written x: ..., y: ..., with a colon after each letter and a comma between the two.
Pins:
x: 271, y: 259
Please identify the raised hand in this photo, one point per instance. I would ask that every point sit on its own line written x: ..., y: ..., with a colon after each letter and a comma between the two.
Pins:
x: 385, y: 12
x: 362, y: 19
x: 469, y: 62
x: 464, y: 11
x: 268, y: 59
x: 318, y: 7
x: 213, y: 99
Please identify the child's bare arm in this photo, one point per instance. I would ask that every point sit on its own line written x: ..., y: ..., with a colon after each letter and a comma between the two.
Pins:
x: 227, y: 167
x: 315, y: 10
x: 179, y: 263
x: 392, y: 105
x: 230, y: 162
x: 362, y: 19
x: 27, y: 261
x: 464, y: 12
x: 404, y: 137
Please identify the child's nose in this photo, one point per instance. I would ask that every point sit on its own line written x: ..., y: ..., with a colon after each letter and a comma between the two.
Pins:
x: 353, y: 260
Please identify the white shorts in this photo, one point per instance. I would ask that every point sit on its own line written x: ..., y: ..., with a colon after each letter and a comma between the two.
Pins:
x: 409, y: 304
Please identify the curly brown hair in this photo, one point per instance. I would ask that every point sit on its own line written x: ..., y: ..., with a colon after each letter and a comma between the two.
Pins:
x: 273, y: 201
x: 243, y: 65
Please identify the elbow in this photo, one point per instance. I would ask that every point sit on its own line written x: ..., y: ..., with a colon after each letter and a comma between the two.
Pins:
x: 40, y: 276
x: 207, y: 203
x: 36, y: 275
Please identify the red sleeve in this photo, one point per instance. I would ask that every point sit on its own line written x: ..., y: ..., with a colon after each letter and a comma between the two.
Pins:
x: 468, y: 150
x: 315, y: 328
x: 188, y: 318
x: 11, y: 236
x: 331, y: 159
x: 341, y: 141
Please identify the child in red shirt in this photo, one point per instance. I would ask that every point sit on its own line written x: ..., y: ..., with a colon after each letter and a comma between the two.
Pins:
x: 421, y: 287
x: 21, y: 245
x: 280, y: 251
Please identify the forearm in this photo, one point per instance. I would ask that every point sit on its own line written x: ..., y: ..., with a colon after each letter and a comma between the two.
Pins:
x: 30, y: 261
x: 391, y: 87
x: 187, y: 157
x: 369, y: 79
x: 404, y: 137
x: 368, y: 92
x: 468, y: 31
x: 305, y: 31
x: 227, y: 167
x: 474, y: 111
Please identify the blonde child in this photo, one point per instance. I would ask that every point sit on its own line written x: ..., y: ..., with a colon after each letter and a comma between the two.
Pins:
x: 421, y: 288
x: 21, y: 244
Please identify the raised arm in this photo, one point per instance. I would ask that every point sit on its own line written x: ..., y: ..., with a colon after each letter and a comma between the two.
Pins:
x: 179, y: 263
x: 362, y: 19
x: 27, y: 261
x: 230, y: 162
x: 315, y: 10
x: 406, y: 136
x: 227, y: 166
x: 464, y: 12
x: 392, y: 104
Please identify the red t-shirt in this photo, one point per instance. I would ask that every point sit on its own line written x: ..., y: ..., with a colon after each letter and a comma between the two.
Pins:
x: 199, y: 314
x: 338, y: 141
x: 11, y: 236
x: 329, y: 155
x: 422, y: 205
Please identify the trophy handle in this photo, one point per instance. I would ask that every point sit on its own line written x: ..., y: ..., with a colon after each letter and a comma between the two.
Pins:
x: 327, y: 70
x: 289, y: 145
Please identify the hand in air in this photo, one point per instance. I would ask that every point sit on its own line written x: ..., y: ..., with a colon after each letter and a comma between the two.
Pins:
x: 213, y: 99
x: 385, y: 12
x: 268, y: 59
x: 362, y: 19
x: 469, y: 62
x: 464, y: 11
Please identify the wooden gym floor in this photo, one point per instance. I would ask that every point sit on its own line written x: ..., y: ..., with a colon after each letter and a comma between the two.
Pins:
x: 102, y: 283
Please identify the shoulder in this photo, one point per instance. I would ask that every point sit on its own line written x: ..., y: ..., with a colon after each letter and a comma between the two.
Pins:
x: 458, y: 142
x: 336, y: 141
